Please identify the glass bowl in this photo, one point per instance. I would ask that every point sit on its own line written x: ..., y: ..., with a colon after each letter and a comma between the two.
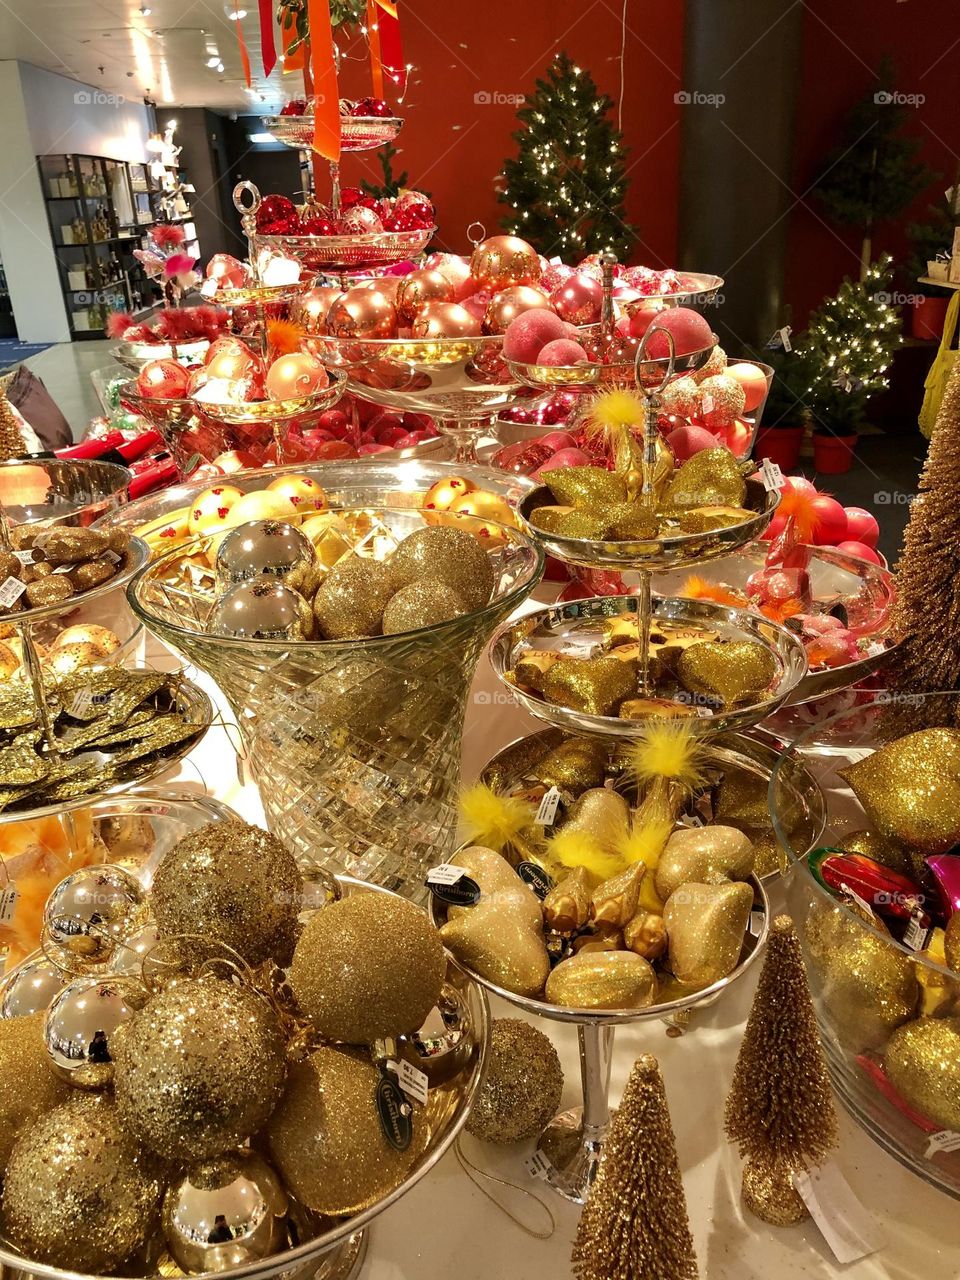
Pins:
x: 357, y: 133
x: 68, y: 492
x: 874, y: 992
x: 134, y: 355
x: 578, y: 628
x: 348, y: 253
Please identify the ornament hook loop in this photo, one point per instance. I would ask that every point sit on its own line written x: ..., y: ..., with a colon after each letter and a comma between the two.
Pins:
x: 243, y: 189
x: 479, y: 236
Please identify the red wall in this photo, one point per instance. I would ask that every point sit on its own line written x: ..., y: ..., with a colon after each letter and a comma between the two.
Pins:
x: 456, y: 147
x: 842, y: 46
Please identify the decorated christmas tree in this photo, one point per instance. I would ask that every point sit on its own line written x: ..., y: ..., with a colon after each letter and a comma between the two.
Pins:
x: 848, y: 347
x: 565, y: 189
x: 634, y: 1225
x: 873, y: 174
x: 780, y: 1107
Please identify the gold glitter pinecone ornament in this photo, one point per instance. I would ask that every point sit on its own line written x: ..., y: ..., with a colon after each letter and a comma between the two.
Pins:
x: 326, y: 1140
x: 199, y: 1068
x: 448, y: 555
x: 521, y: 1087
x: 231, y: 882
x: 77, y: 1193
x: 634, y: 1225
x: 368, y: 966
x: 29, y: 1088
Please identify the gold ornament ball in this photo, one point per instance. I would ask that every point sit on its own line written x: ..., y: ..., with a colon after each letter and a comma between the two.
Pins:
x: 326, y: 1140
x: 77, y: 1193
x: 521, y: 1088
x: 443, y: 492
x: 449, y: 555
x: 504, y: 307
x: 422, y: 604
x: 30, y: 987
x: 232, y: 882
x: 368, y: 966
x: 922, y: 1060
x: 350, y: 601
x: 224, y: 1213
x: 869, y: 987
x: 28, y: 1086
x: 501, y: 261
x: 199, y: 1068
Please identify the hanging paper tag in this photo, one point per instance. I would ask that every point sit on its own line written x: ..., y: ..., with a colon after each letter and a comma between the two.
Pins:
x: 396, y: 1114
x: 11, y: 591
x: 915, y: 935
x: 781, y: 338
x: 25, y: 557
x: 757, y: 921
x: 547, y: 812
x: 538, y: 1166
x: 538, y: 880
x: 411, y: 1079
x: 855, y: 897
x: 848, y: 1229
x: 64, y: 568
x: 945, y: 1140
x: 445, y: 873
x: 771, y: 475
x: 111, y: 557
x: 8, y: 903
x: 80, y: 704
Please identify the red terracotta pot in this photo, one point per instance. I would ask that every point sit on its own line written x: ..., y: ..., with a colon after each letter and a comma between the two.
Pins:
x: 833, y: 455
x: 927, y: 318
x: 780, y: 444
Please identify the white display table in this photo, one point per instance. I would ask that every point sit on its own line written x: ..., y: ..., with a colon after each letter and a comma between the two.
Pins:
x: 445, y: 1229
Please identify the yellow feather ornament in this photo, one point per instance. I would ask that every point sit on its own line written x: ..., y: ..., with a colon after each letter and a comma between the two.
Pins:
x: 668, y: 749
x: 494, y: 820
x: 577, y: 849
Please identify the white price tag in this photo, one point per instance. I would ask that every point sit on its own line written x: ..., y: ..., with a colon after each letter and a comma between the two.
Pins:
x: 11, y: 591
x: 915, y: 935
x: 784, y: 336
x: 64, y: 568
x: 445, y: 873
x: 547, y: 812
x: 945, y: 1140
x: 855, y: 897
x: 771, y: 475
x: 8, y: 903
x: 80, y: 704
x: 848, y: 1229
x: 111, y: 557
x: 412, y: 1080
x: 538, y: 1166
x: 25, y: 557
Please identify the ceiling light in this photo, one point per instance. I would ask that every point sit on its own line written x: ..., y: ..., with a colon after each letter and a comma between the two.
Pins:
x: 220, y: 66
x: 145, y: 11
x: 261, y: 137
x: 236, y: 14
x: 214, y: 61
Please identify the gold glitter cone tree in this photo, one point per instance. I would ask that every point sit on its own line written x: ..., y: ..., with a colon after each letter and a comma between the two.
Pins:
x: 780, y: 1107
x: 634, y: 1225
x: 927, y: 614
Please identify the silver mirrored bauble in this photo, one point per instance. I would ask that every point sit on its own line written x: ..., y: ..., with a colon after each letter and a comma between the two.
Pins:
x: 225, y: 1212
x: 29, y: 987
x: 262, y: 611
x: 88, y: 913
x: 263, y: 549
x: 443, y: 1045
x: 129, y: 955
x: 80, y: 1023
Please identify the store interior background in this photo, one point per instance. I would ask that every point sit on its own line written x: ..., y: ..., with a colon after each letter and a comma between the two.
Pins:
x: 722, y: 187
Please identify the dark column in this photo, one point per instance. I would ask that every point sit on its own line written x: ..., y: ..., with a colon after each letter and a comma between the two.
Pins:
x: 741, y: 68
x: 201, y: 163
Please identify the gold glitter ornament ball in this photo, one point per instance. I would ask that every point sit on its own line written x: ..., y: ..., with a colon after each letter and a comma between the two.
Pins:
x: 922, y: 1061
x: 521, y: 1088
x: 326, y: 1140
x: 77, y: 1193
x: 351, y: 599
x: 28, y: 1086
x: 869, y: 987
x: 368, y: 966
x: 421, y: 604
x: 232, y: 882
x: 448, y: 555
x: 199, y: 1068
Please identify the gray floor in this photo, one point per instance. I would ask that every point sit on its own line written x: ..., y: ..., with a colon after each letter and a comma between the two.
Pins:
x: 65, y: 371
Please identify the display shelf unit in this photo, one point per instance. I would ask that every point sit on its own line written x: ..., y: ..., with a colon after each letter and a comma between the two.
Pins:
x: 99, y: 212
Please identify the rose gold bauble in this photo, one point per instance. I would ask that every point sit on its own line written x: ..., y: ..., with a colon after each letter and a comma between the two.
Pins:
x: 233, y: 365
x: 228, y: 271
x: 311, y: 311
x: 501, y: 261
x: 362, y: 313
x: 578, y: 298
x: 420, y: 287
x: 445, y: 320
x: 389, y: 286
x: 456, y: 270
x: 228, y: 344
x: 294, y: 376
x: 505, y: 306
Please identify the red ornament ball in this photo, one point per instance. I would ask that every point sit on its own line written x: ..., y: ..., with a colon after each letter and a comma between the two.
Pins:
x: 228, y: 271
x: 368, y: 107
x: 862, y: 527
x: 831, y: 521
x: 163, y: 380
x: 554, y: 275
x: 274, y: 209
x: 455, y: 270
x: 753, y: 380
x: 529, y: 334
x: 861, y: 550
x: 578, y: 299
x: 562, y: 351
x: 358, y: 220
x: 689, y: 330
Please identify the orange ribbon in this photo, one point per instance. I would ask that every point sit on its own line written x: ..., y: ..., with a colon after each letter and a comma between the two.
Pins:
x: 292, y: 61
x: 244, y: 55
x: 326, y: 113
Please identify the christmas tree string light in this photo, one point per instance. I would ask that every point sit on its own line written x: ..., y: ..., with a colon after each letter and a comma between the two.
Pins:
x: 565, y: 188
